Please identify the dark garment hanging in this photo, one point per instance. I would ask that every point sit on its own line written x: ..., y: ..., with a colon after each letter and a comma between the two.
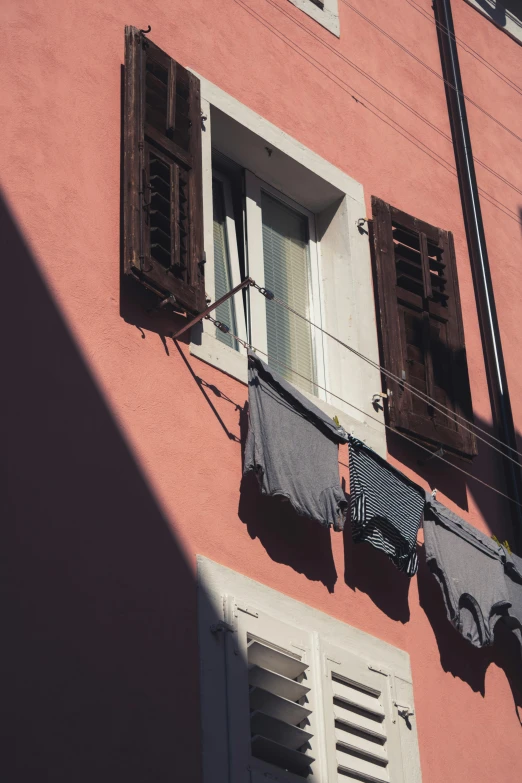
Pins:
x: 469, y: 568
x: 292, y: 446
x: 386, y: 507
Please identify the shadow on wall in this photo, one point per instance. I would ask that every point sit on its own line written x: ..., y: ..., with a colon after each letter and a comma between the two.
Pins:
x: 100, y: 634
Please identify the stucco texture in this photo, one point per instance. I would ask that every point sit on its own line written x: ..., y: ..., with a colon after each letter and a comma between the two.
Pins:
x: 124, y: 466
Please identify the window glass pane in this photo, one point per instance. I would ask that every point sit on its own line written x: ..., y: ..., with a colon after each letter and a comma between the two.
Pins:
x: 286, y: 257
x: 222, y: 275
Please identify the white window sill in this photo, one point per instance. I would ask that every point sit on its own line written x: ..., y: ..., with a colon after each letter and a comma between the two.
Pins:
x: 205, y: 346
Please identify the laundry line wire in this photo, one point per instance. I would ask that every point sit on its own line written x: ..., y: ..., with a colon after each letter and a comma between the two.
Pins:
x: 376, y: 111
x: 386, y: 90
x: 452, y: 415
x: 467, y: 48
x: 249, y: 346
x: 430, y: 69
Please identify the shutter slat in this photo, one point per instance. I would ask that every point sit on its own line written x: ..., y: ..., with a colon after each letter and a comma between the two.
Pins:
x: 268, y: 658
x: 349, y: 719
x: 274, y: 753
x: 350, y: 773
x: 362, y: 766
x: 277, y: 707
x: 355, y: 740
x: 276, y: 683
x: 357, y: 698
x: 290, y: 736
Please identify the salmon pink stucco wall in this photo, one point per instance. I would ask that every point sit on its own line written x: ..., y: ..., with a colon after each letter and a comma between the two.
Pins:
x: 124, y: 468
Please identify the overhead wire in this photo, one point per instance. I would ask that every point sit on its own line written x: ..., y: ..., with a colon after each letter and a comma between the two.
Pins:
x: 450, y: 414
x: 248, y: 346
x: 467, y: 48
x: 375, y: 110
x: 429, y: 68
x: 386, y: 90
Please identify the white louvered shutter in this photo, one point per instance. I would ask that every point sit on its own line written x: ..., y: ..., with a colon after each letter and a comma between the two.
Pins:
x: 361, y: 721
x: 271, y: 695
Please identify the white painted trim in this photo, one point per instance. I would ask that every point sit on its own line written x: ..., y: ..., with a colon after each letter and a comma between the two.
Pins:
x: 216, y: 584
x: 277, y: 139
x: 328, y: 16
x: 347, y: 299
x: 509, y: 24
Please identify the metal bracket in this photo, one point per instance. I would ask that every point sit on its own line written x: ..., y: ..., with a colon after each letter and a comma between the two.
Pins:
x: 404, y: 711
x: 246, y: 282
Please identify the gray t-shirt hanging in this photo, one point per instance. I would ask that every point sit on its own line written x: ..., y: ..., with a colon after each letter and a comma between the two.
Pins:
x: 292, y: 446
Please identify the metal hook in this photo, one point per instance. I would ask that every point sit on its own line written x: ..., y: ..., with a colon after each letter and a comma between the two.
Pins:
x: 147, y: 30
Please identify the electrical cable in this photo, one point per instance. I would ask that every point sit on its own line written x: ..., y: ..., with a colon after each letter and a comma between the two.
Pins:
x: 248, y: 346
x: 375, y: 110
x: 429, y: 68
x: 388, y: 92
x: 452, y: 415
x: 467, y: 48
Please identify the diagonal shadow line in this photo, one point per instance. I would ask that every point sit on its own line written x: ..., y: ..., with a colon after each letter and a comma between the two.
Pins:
x: 199, y: 383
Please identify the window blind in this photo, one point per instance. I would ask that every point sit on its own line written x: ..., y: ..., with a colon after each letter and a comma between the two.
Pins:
x: 222, y: 272
x: 286, y: 259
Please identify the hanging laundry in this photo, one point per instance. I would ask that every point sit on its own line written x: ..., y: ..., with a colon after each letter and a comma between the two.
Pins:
x: 469, y: 568
x: 292, y: 446
x: 386, y: 507
x: 513, y: 576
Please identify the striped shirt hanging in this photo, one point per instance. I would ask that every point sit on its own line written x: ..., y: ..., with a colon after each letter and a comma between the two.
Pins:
x: 386, y: 507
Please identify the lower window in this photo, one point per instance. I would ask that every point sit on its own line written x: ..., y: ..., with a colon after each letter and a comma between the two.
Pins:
x: 290, y: 694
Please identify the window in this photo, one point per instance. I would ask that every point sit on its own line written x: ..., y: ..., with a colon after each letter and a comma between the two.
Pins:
x: 281, y: 255
x: 280, y: 213
x: 213, y: 192
x: 163, y: 229
x: 421, y: 329
x: 506, y: 14
x: 325, y: 12
x: 290, y: 694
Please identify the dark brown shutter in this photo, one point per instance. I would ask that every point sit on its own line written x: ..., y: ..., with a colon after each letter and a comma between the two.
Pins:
x: 163, y: 200
x: 421, y: 328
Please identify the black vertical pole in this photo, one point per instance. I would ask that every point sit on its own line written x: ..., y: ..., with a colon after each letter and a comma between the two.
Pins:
x: 478, y: 252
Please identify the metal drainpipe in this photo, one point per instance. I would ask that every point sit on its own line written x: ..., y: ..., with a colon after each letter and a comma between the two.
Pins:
x: 490, y: 332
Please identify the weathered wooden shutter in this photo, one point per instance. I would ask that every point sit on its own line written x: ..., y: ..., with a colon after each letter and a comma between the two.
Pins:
x: 421, y: 329
x: 163, y: 202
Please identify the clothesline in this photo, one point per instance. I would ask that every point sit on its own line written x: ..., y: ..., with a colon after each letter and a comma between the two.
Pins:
x: 292, y: 449
x: 452, y: 415
x: 247, y: 346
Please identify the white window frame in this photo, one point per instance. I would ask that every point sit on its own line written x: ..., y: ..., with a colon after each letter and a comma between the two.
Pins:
x: 254, y: 189
x: 235, y: 275
x: 229, y: 604
x: 327, y: 16
x: 338, y: 203
x: 512, y: 25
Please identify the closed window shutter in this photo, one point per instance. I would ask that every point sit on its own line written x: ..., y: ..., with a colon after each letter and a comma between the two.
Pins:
x: 163, y: 212
x: 362, y: 735
x: 271, y: 697
x: 421, y: 329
